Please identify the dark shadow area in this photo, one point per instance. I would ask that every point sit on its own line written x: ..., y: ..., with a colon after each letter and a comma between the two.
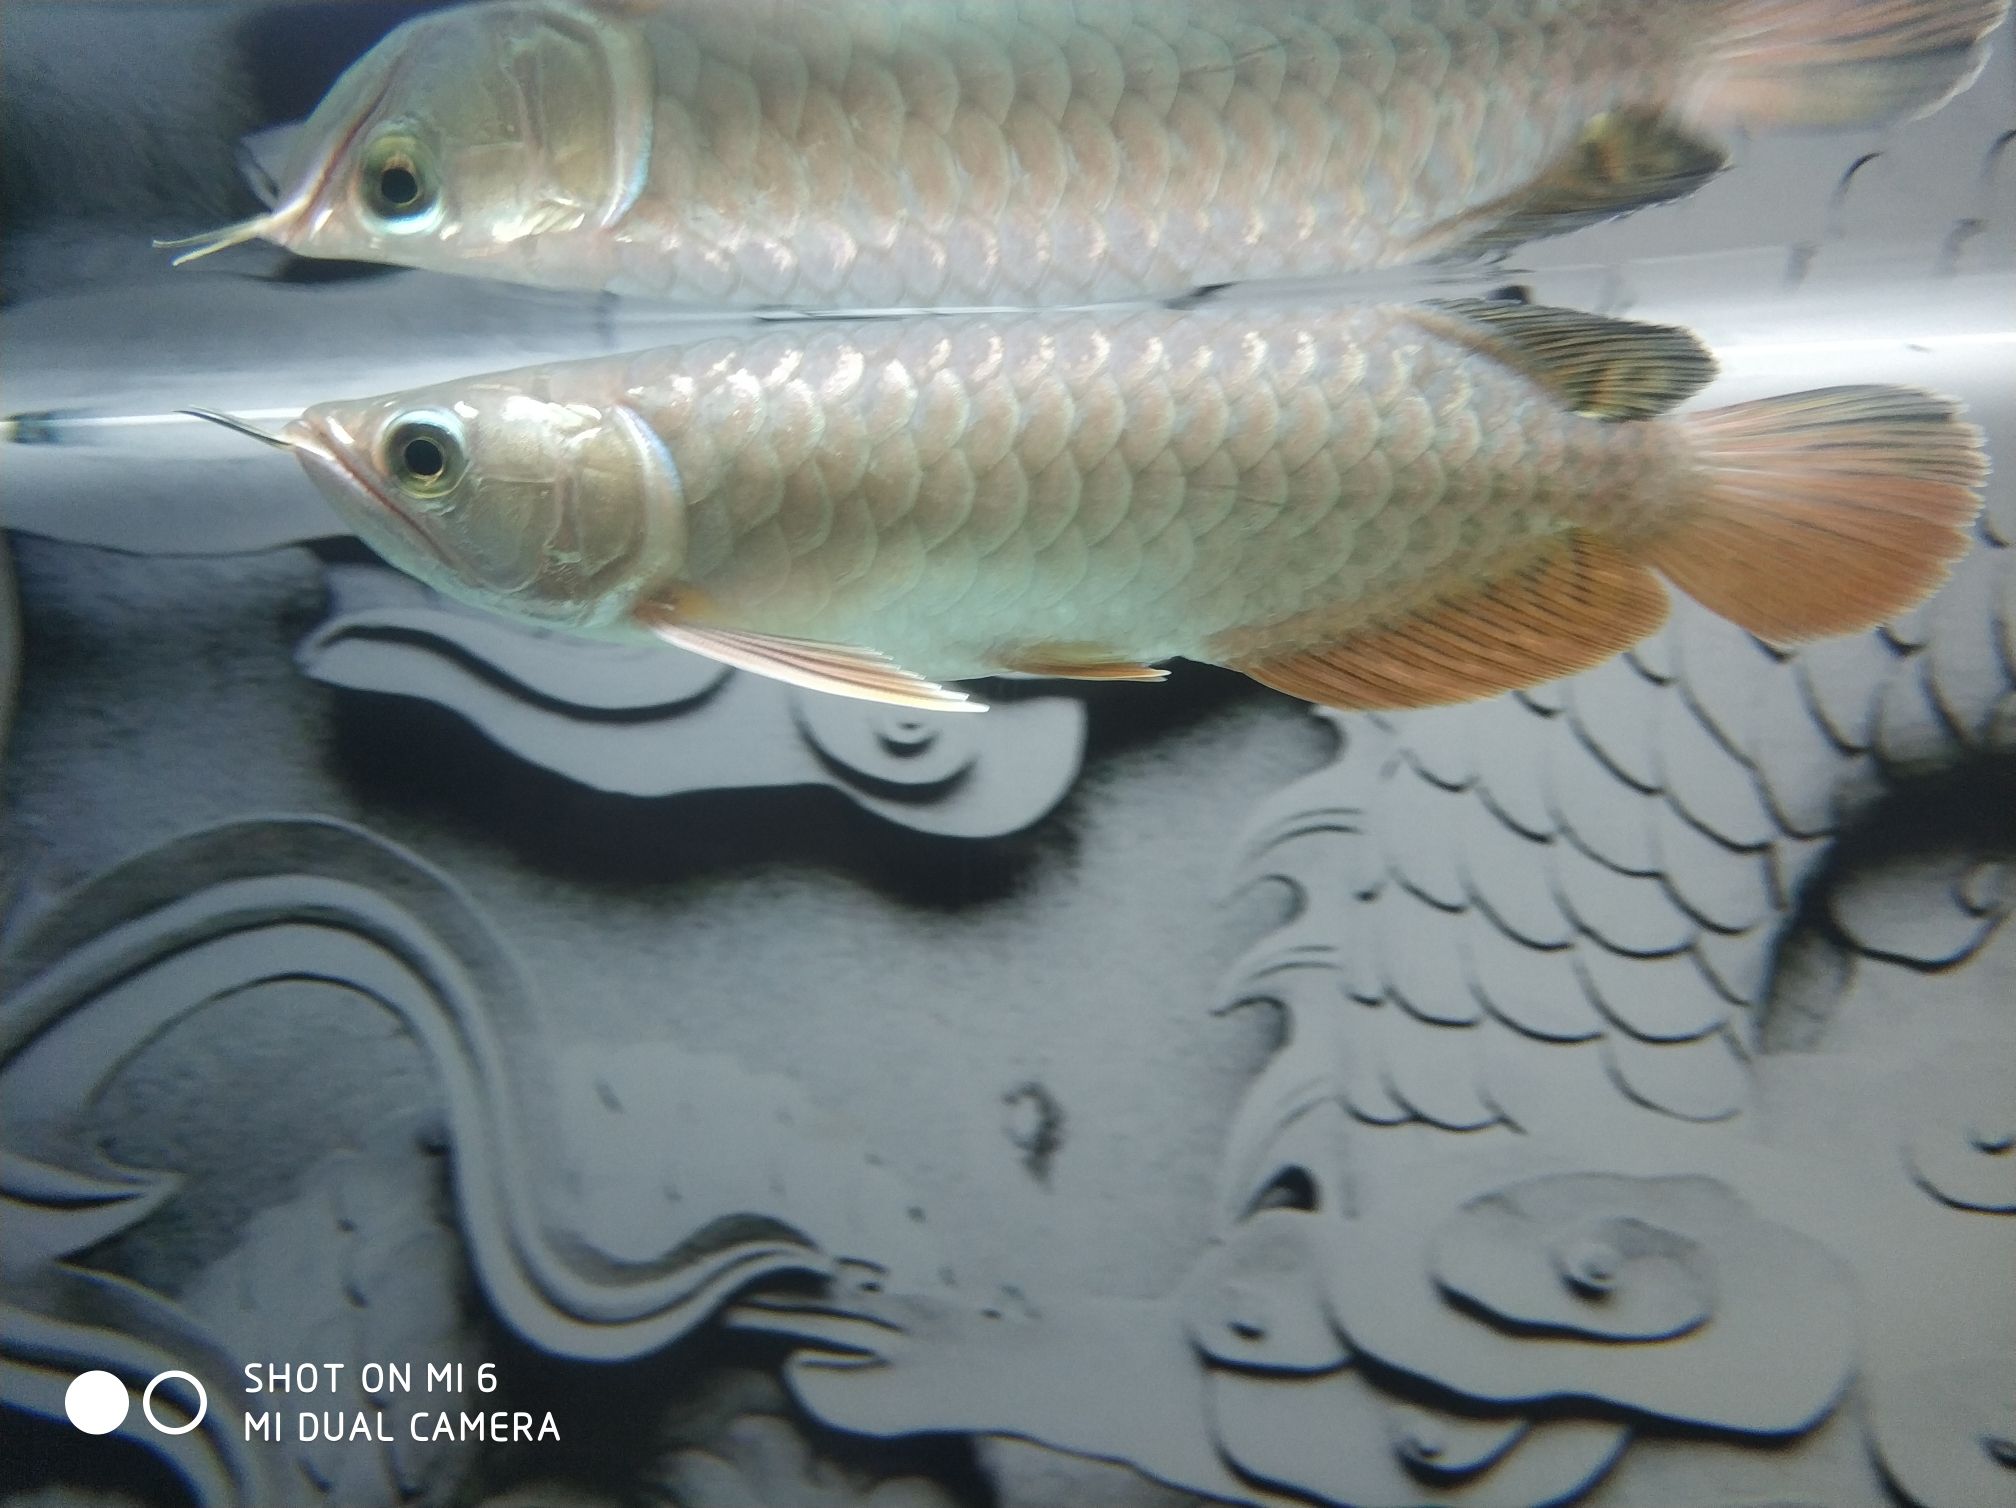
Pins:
x: 1965, y: 806
x: 1961, y: 815
x: 314, y: 270
x: 293, y: 53
x: 44, y: 1456
x: 429, y: 768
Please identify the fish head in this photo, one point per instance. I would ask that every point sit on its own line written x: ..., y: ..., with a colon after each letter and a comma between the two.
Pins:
x: 466, y: 139
x: 504, y: 494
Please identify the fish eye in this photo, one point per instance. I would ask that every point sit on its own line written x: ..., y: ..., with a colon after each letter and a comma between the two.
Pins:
x: 397, y: 181
x: 424, y: 456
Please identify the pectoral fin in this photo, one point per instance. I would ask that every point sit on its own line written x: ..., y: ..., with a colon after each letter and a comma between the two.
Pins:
x: 1623, y: 160
x: 1590, y: 364
x: 835, y: 668
x: 1571, y: 605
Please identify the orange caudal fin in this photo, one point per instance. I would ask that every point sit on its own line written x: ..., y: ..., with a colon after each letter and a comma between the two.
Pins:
x: 1825, y: 512
x: 1840, y: 62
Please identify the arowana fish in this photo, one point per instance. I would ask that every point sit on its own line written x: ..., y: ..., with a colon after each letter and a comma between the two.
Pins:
x: 1371, y: 507
x: 931, y: 153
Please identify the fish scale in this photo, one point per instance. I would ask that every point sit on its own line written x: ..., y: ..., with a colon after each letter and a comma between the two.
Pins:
x: 1272, y: 507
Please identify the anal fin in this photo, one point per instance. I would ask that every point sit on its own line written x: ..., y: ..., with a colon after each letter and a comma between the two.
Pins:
x: 1569, y: 606
x: 1623, y: 160
x: 838, y: 669
x: 1078, y: 662
x: 1591, y: 364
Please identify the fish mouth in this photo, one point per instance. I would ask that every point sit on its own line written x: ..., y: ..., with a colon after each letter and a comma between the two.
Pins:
x: 259, y: 226
x: 280, y: 221
x: 318, y: 449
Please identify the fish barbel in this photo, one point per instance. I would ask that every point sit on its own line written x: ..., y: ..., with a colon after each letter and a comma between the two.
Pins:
x: 853, y: 154
x: 1372, y: 507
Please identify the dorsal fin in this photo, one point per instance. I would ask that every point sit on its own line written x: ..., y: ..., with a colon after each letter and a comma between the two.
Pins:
x: 1623, y: 160
x: 1570, y: 605
x: 1592, y: 365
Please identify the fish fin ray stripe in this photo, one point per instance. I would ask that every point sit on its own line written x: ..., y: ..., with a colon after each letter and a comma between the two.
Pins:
x: 1824, y: 512
x: 838, y: 669
x: 1590, y: 364
x: 1624, y: 160
x: 1840, y: 62
x: 1569, y: 606
x: 1078, y: 662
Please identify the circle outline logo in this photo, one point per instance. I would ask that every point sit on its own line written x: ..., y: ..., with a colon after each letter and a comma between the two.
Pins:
x: 147, y: 1402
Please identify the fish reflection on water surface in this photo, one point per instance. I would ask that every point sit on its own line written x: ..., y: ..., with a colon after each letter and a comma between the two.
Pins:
x: 883, y: 153
x: 1367, y: 507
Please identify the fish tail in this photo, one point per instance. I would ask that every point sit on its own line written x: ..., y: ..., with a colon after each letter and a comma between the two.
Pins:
x: 1825, y: 512
x: 1840, y: 62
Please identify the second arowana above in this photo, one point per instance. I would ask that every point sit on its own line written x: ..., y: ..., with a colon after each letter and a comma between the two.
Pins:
x: 883, y: 153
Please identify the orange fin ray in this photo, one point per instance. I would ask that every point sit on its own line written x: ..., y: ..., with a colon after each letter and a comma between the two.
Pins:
x: 1825, y: 512
x: 838, y: 669
x: 1570, y: 606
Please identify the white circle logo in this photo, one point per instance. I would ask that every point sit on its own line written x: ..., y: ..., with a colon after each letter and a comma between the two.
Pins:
x: 147, y: 1404
x: 97, y: 1402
